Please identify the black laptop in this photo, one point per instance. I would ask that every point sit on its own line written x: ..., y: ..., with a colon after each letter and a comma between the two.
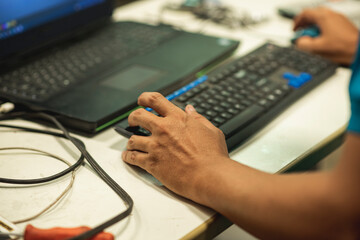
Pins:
x: 68, y: 58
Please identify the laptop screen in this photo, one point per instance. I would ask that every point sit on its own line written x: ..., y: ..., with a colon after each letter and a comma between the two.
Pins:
x: 17, y: 16
x: 42, y: 20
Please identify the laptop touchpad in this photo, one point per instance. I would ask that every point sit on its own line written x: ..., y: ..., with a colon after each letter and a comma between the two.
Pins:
x: 133, y: 77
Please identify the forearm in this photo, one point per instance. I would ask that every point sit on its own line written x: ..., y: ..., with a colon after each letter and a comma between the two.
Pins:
x: 296, y: 206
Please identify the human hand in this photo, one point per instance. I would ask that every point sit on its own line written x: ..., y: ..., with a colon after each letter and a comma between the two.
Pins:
x: 182, y: 146
x: 338, y: 40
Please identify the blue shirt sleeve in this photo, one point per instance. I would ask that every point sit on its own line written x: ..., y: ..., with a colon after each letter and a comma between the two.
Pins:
x: 354, y: 92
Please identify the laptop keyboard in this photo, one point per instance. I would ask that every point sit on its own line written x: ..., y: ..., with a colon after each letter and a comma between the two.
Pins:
x: 242, y: 96
x: 61, y: 68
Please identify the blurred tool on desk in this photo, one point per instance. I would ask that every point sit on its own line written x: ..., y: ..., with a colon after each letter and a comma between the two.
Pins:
x: 33, y: 233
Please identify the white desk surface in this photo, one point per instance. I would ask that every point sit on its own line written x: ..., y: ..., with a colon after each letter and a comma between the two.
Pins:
x: 158, y: 213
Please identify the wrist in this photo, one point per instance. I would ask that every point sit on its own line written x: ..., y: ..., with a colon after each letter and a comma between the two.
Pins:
x: 208, y: 182
x: 353, y: 48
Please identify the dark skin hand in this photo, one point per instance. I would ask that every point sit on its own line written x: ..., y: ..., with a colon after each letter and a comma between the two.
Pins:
x: 338, y: 39
x: 172, y: 151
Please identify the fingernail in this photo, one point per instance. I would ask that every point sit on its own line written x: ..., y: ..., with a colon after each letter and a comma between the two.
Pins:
x: 190, y: 108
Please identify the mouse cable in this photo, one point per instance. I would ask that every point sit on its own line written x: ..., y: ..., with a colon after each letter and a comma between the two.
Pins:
x: 81, y: 147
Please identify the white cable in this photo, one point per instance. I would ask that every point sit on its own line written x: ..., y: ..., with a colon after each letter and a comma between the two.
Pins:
x: 6, y: 107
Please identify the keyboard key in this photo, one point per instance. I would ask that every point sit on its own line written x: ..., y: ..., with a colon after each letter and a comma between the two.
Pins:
x: 211, y: 113
x: 225, y: 105
x: 214, y: 80
x: 240, y: 74
x: 233, y: 111
x: 239, y: 107
x: 219, y: 98
x: 205, y: 105
x: 232, y: 101
x: 218, y: 109
x: 200, y: 110
x: 226, y: 115
x: 265, y: 103
x: 240, y: 120
x: 261, y: 82
x: 219, y: 120
x: 212, y: 101
x: 225, y: 93
x: 182, y: 98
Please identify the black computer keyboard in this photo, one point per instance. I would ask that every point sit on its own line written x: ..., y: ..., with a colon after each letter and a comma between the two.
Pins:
x: 244, y: 95
x: 67, y: 65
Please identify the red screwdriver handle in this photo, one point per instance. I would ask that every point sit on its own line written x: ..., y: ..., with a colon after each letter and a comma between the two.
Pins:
x: 57, y: 233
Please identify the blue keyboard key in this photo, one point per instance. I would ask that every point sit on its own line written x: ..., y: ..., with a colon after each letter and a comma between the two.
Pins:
x: 297, y: 81
x: 288, y: 75
x: 170, y: 97
x: 306, y: 76
x: 183, y: 90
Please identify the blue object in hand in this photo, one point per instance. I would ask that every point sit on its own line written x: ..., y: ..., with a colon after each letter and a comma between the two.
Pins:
x: 312, y: 31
